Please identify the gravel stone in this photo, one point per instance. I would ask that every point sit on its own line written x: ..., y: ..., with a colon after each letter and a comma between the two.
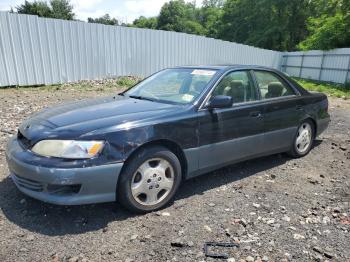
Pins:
x: 286, y: 218
x: 298, y: 236
x: 249, y: 259
x: 31, y: 230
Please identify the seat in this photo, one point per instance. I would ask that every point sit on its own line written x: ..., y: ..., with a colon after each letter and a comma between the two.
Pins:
x: 274, y: 89
x: 237, y: 91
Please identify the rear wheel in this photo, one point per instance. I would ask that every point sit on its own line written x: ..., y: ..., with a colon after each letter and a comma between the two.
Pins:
x: 303, y: 139
x: 150, y: 180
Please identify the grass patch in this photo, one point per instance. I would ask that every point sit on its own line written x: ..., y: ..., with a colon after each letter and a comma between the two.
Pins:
x: 126, y: 81
x: 336, y: 90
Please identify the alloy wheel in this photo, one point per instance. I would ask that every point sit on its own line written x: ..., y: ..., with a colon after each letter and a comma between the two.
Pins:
x: 304, y: 138
x: 152, y: 182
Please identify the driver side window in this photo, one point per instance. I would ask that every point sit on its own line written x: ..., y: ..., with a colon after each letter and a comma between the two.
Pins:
x: 238, y: 85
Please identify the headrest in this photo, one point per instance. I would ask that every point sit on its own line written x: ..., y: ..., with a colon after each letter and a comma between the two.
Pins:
x: 275, y: 88
x: 236, y: 83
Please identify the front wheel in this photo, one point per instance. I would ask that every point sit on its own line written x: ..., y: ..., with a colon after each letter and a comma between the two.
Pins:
x: 303, y: 139
x: 150, y: 180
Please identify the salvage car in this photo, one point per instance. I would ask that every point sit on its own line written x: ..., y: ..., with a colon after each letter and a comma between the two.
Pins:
x: 138, y: 146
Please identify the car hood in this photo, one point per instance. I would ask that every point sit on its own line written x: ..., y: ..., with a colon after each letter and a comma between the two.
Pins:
x: 71, y: 120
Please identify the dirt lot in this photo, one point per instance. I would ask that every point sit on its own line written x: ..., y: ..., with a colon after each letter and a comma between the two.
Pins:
x: 277, y: 208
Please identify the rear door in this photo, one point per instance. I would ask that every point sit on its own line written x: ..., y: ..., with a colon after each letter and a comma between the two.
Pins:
x: 283, y: 110
x: 234, y: 133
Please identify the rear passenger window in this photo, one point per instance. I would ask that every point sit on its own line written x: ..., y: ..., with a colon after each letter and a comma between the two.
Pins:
x: 271, y: 86
x: 238, y: 85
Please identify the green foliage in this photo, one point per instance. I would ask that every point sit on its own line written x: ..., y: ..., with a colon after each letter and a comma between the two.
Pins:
x: 39, y: 8
x: 330, y: 28
x: 331, y: 89
x: 347, y: 85
x: 172, y: 16
x: 60, y: 9
x: 125, y: 81
x: 193, y: 27
x: 283, y: 25
x: 209, y: 17
x: 278, y: 25
x: 143, y: 22
x: 106, y: 20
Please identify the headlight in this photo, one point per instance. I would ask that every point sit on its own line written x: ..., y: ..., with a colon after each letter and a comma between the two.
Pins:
x: 68, y: 148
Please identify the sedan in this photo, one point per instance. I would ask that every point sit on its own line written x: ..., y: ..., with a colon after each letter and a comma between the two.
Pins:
x: 138, y: 146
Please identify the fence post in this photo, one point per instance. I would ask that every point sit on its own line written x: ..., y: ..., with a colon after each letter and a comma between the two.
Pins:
x: 284, y: 63
x: 321, y: 68
x: 301, y: 64
x: 347, y: 72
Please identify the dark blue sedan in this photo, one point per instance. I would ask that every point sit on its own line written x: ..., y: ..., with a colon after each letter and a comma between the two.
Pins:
x: 137, y: 146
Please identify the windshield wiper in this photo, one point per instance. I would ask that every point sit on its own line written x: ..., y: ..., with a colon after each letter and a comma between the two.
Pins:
x: 142, y: 98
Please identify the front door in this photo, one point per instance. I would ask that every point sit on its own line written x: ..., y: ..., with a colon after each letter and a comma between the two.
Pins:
x: 231, y: 134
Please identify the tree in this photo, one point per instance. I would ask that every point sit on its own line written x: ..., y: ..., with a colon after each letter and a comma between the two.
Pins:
x: 329, y: 28
x: 179, y: 16
x: 209, y: 17
x: 172, y: 16
x: 39, y: 8
x: 143, y: 22
x: 272, y: 24
x: 60, y: 9
x: 106, y: 20
x: 193, y: 27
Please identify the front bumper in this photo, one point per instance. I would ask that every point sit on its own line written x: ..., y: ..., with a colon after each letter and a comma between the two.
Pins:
x: 62, y: 186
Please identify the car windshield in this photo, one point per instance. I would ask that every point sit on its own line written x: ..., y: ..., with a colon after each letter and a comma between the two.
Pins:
x: 180, y: 85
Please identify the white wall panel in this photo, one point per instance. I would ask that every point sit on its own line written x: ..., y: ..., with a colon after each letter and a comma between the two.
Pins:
x: 35, y: 51
x: 330, y: 66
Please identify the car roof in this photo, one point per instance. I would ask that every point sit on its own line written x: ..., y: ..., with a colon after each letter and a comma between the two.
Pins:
x: 225, y: 67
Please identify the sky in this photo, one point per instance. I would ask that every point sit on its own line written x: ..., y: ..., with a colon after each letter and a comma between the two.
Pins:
x: 124, y: 10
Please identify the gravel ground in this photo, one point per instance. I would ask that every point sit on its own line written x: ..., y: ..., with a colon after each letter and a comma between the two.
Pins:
x: 276, y: 208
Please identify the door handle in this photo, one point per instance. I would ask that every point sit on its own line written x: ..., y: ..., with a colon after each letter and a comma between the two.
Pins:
x: 299, y: 107
x: 255, y: 114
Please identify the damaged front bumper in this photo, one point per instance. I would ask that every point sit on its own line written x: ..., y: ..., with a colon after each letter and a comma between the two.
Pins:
x: 62, y: 186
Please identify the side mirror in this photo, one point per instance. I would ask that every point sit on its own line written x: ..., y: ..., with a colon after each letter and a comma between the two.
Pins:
x: 220, y: 102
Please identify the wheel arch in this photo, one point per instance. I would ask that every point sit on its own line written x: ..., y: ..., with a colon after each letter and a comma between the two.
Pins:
x: 168, y: 144
x: 313, y: 121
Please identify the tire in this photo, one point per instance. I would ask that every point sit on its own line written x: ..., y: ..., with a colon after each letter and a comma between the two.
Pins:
x: 303, y: 139
x: 149, y: 180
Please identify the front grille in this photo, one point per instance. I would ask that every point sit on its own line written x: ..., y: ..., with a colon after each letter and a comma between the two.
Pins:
x: 28, y: 183
x: 24, y: 142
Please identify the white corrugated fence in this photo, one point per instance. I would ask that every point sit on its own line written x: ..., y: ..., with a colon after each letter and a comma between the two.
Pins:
x: 36, y: 51
x: 328, y: 66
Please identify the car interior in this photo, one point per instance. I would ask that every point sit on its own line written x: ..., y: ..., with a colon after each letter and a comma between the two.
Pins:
x: 238, y: 86
x: 271, y: 87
